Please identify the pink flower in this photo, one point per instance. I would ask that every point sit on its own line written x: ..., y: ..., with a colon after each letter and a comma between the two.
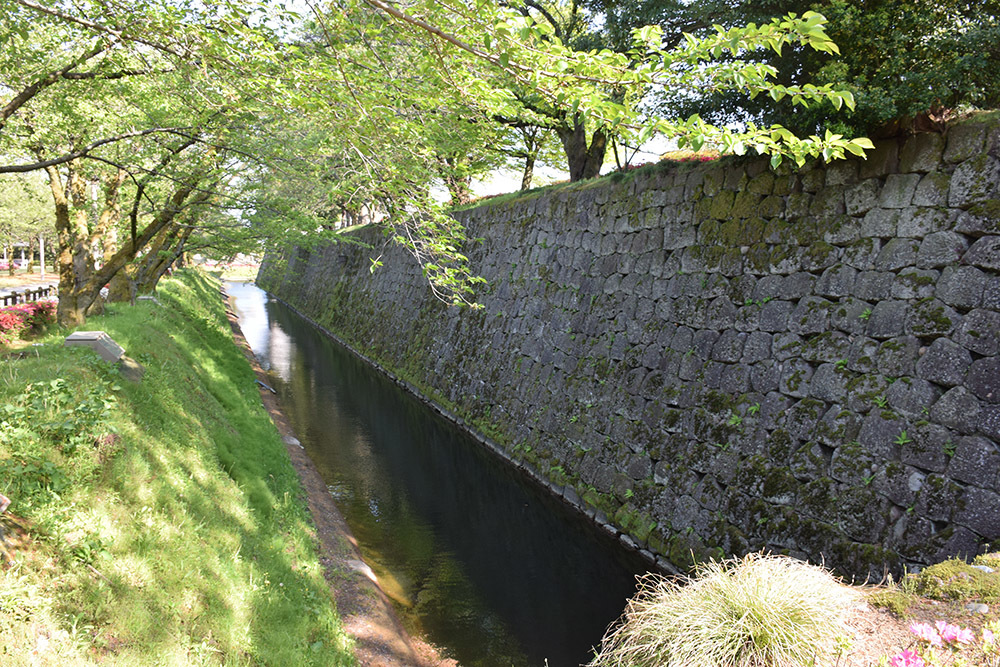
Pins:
x: 988, y: 636
x: 907, y: 658
x: 952, y: 633
x: 926, y: 632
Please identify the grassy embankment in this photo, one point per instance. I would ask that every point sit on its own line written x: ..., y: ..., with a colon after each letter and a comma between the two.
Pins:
x: 157, y: 522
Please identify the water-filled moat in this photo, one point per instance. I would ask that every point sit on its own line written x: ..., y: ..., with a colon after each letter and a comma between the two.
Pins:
x: 480, y: 561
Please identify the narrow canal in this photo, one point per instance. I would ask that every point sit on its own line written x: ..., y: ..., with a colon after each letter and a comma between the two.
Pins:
x: 479, y: 561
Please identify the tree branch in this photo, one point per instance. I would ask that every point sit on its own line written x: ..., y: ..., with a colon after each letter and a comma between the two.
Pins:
x: 84, y: 152
x: 111, y: 76
x: 45, y: 81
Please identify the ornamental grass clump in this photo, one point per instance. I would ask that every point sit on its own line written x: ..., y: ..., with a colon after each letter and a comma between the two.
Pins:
x: 758, y: 611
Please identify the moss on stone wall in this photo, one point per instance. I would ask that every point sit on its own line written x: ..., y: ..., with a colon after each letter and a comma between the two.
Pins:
x: 719, y: 357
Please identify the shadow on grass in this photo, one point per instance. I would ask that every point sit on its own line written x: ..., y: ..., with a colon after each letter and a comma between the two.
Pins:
x: 202, y: 548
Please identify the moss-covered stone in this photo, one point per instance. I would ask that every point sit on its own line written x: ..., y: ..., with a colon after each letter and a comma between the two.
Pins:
x: 955, y: 579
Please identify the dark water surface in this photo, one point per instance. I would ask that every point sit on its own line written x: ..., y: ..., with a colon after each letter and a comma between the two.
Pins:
x: 479, y: 560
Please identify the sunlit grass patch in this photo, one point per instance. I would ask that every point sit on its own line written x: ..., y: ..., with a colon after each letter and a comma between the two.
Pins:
x: 758, y: 611
x: 168, y: 509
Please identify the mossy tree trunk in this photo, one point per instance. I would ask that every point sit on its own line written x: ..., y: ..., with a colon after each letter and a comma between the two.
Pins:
x: 80, y: 280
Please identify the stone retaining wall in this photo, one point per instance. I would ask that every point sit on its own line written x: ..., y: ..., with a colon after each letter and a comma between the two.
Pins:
x: 719, y: 358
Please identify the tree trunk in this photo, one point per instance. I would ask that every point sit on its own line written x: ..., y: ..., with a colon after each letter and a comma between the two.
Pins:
x: 104, y: 237
x: 529, y: 170
x: 67, y: 312
x: 80, y: 282
x: 170, y: 252
x: 121, y: 287
x: 584, y: 161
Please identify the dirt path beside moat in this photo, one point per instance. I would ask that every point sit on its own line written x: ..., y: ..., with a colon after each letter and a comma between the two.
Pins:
x: 367, y: 614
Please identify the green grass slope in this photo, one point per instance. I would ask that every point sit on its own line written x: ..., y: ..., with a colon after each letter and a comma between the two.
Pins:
x: 157, y: 522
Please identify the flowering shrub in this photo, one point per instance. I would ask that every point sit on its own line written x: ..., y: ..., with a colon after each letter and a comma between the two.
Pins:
x: 946, y: 644
x: 25, y: 317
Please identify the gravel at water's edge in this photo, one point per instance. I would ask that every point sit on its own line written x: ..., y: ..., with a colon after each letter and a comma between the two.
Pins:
x: 367, y: 614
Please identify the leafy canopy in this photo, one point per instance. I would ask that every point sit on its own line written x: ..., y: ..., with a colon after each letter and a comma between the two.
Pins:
x: 363, y: 102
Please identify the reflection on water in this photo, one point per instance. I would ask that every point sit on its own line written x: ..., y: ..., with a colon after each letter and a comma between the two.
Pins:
x: 480, y: 561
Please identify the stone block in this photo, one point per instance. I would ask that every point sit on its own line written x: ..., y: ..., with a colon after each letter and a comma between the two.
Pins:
x: 989, y: 422
x: 964, y: 141
x: 941, y: 249
x: 797, y: 205
x: 756, y: 348
x: 914, y: 284
x: 99, y: 342
x: 837, y: 281
x: 975, y: 180
x: 729, y: 346
x: 828, y: 384
x: 762, y: 184
x: 842, y: 172
x: 880, y: 222
x: 735, y: 379
x: 991, y: 295
x: 932, y: 189
x: 897, y: 254
x: 861, y: 198
x: 919, y: 222
x: 898, y: 190
x: 931, y: 317
x: 861, y: 354
x: 766, y: 376
x: 841, y: 230
x: 961, y: 286
x: 983, y: 379
x: 881, y: 161
x: 879, y: 435
x: 945, y: 363
x: 976, y: 460
x: 721, y: 205
x: 922, y: 152
x: 887, y: 320
x: 828, y: 202
x: 811, y: 315
x: 745, y: 205
x: 851, y: 316
x: 861, y: 390
x: 703, y: 341
x: 983, y: 219
x: 810, y: 178
x: 978, y: 512
x: 873, y: 285
x: 861, y: 254
x: 980, y: 332
x: 797, y: 285
x: 984, y: 253
x: 957, y: 409
x: 774, y: 316
x: 912, y: 397
x: 818, y: 255
x: 829, y: 346
x: 897, y: 357
x: 939, y: 498
x: 838, y: 426
x: 795, y: 378
x: 927, y: 451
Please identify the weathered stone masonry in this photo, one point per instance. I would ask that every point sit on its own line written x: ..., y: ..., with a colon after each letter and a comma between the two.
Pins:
x: 722, y: 358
